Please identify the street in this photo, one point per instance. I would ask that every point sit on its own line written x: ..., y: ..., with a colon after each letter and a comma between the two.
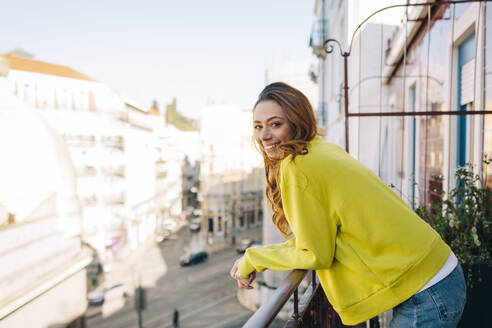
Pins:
x: 204, y: 294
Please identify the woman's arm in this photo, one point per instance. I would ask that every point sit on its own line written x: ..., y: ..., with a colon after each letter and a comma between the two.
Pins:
x: 314, y: 244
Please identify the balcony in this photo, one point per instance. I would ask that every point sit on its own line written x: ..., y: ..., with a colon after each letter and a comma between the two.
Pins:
x: 311, y: 310
x: 116, y: 142
x: 319, y: 34
x: 77, y: 140
x: 114, y: 171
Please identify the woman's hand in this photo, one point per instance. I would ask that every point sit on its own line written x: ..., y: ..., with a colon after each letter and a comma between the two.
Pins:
x: 242, y: 282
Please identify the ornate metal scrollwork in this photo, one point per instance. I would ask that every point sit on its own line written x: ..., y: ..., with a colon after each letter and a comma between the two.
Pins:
x: 328, y: 46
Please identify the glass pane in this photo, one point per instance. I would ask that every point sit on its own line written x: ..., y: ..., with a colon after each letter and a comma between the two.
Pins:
x: 487, y: 149
x: 487, y: 138
x: 431, y: 155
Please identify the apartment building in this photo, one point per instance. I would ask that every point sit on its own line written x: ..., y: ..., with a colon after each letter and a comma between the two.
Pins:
x: 231, y: 182
x: 41, y: 250
x: 111, y: 145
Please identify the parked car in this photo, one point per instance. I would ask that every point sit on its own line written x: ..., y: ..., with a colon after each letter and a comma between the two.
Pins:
x: 195, y: 225
x: 193, y: 258
x: 246, y: 243
x: 107, y: 292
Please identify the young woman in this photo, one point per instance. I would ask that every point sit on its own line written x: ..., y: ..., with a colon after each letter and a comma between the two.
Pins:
x: 370, y: 251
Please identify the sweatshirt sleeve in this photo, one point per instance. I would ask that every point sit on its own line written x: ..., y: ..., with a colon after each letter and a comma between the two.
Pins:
x: 314, y: 243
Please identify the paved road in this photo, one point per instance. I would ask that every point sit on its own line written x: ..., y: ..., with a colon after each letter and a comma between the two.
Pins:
x: 204, y: 294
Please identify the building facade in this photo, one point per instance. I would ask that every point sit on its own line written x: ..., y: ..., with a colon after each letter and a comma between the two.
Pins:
x: 190, y: 185
x: 231, y: 178
x: 335, y: 19
x: 41, y: 250
x: 447, y: 69
x: 434, y: 61
x: 177, y: 171
x: 111, y: 143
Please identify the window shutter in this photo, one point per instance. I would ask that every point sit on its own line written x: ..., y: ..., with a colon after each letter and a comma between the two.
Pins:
x: 467, y: 82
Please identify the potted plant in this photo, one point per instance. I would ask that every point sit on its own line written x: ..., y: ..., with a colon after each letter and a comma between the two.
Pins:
x: 463, y: 218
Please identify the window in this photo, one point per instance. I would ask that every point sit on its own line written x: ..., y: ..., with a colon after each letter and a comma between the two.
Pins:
x: 466, y: 65
x: 413, y: 143
x: 27, y: 93
x: 487, y: 125
x: 92, y: 102
x: 64, y: 99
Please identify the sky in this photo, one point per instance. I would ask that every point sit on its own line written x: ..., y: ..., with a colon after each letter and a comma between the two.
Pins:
x: 201, y: 52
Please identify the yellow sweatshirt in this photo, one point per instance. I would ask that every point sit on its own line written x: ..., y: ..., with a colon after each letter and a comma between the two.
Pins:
x: 370, y: 250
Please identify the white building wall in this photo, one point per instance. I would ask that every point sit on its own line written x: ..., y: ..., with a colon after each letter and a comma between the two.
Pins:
x: 140, y: 213
x: 41, y: 90
x: 140, y: 166
x: 112, y: 147
x: 107, y: 184
x: 340, y: 19
x: 173, y: 146
x: 40, y: 245
x: 367, y: 93
x: 296, y: 74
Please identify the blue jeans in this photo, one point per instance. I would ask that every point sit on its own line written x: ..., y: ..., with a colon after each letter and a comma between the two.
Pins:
x: 440, y: 305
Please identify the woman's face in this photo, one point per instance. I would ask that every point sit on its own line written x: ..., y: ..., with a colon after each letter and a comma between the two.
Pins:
x: 271, y: 127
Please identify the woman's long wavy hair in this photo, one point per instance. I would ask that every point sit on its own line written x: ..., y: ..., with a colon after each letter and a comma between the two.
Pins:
x: 300, y: 115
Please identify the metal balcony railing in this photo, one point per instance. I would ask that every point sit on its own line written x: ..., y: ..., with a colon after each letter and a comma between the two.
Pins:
x: 269, y: 310
x: 311, y: 310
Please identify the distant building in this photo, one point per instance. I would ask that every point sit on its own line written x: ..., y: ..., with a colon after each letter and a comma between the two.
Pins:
x: 231, y: 178
x: 190, y: 185
x: 298, y: 74
x: 140, y: 212
x: 50, y: 86
x: 110, y: 142
x: 338, y: 20
x: 175, y: 173
x: 41, y: 252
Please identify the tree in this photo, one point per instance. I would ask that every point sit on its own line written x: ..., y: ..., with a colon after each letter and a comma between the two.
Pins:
x: 155, y: 105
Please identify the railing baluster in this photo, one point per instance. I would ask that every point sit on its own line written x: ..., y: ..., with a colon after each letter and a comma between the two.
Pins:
x: 318, y: 313
x: 316, y: 301
x: 296, y: 304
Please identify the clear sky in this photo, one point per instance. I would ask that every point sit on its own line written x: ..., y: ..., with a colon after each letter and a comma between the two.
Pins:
x: 195, y: 50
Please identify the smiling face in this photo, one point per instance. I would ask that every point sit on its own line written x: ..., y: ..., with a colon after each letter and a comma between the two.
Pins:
x: 271, y: 127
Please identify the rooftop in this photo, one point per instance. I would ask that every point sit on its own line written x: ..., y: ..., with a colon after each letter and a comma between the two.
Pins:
x: 30, y: 65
